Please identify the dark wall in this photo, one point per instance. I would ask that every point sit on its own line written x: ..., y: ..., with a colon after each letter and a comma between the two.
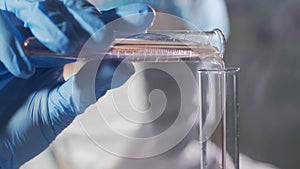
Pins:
x: 265, y: 43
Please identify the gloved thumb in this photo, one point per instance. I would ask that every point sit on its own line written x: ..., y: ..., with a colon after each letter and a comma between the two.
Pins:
x: 89, y: 84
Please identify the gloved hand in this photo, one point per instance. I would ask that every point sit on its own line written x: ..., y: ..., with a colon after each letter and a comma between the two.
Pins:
x: 197, y: 12
x: 36, y: 103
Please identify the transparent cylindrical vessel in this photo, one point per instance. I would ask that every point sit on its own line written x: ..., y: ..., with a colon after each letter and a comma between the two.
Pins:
x: 152, y: 121
x: 154, y: 46
x: 218, y: 122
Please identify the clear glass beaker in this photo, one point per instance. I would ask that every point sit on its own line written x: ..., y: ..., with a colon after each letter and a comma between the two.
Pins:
x: 218, y: 122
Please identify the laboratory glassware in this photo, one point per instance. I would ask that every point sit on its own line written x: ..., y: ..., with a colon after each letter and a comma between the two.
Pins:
x: 181, y: 64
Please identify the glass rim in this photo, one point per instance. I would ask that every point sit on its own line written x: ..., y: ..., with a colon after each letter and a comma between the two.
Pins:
x: 224, y: 70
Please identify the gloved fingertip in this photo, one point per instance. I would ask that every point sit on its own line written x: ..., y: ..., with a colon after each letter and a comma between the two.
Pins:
x: 130, y: 19
x: 144, y: 12
x: 131, y: 9
x: 149, y: 14
x: 134, y: 8
x: 145, y: 8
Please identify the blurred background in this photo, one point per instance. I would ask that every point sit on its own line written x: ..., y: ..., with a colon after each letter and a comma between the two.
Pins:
x: 264, y: 42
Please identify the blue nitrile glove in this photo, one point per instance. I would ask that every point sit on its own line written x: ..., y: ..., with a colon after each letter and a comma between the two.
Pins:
x: 204, y: 14
x: 68, y: 23
x: 36, y: 104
